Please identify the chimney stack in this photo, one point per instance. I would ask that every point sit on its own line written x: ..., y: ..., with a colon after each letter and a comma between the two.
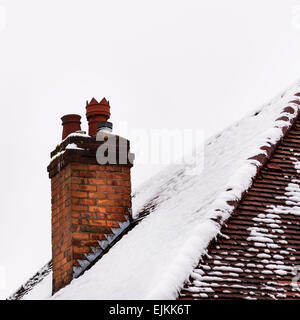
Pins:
x: 91, y: 202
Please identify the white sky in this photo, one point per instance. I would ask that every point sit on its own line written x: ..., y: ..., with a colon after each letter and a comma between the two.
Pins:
x: 162, y: 64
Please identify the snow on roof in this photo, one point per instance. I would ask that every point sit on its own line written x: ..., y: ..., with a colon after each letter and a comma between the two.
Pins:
x: 37, y: 287
x: 258, y: 251
x: 158, y: 255
x: 42, y: 290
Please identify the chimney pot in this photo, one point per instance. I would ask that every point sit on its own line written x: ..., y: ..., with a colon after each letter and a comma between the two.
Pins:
x: 97, y: 112
x: 105, y: 126
x: 71, y: 123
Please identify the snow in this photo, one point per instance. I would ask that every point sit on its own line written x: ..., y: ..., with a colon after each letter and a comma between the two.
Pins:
x: 70, y: 146
x: 225, y: 268
x: 58, y: 154
x: 41, y: 291
x: 76, y: 134
x: 73, y: 146
x: 39, y: 286
x: 158, y: 255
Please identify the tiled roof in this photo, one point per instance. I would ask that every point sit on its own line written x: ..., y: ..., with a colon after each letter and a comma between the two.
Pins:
x: 257, y: 254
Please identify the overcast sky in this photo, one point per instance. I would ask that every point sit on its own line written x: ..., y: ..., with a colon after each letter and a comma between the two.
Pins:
x: 162, y: 64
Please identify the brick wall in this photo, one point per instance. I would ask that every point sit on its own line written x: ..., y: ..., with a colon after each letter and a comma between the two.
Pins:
x: 87, y: 202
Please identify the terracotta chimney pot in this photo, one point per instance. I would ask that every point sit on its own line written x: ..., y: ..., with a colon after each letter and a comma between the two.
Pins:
x: 71, y: 123
x: 97, y: 112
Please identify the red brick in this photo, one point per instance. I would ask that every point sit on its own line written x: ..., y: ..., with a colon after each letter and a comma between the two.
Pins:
x: 114, y: 196
x: 77, y: 180
x: 96, y: 222
x: 116, y: 217
x: 84, y: 174
x: 87, y: 188
x: 104, y: 175
x: 95, y: 167
x: 86, y: 243
x: 79, y: 208
x: 97, y: 195
x: 80, y: 236
x: 82, y: 201
x: 118, y: 210
x: 77, y: 249
x: 97, y: 209
x: 79, y: 194
x: 97, y: 181
x: 106, y: 203
x: 75, y: 187
x: 97, y: 236
x: 79, y: 166
x: 99, y: 215
x: 122, y: 176
x: 105, y: 189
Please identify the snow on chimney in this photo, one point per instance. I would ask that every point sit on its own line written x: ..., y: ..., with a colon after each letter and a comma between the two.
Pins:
x: 91, y: 202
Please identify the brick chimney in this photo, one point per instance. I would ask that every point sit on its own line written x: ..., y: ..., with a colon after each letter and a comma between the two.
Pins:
x: 91, y: 202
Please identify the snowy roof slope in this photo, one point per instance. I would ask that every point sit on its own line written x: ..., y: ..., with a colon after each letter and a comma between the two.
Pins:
x: 257, y: 256
x: 37, y: 287
x: 158, y: 255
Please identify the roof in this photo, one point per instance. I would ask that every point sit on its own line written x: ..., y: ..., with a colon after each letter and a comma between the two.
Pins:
x: 185, y: 207
x: 39, y: 286
x: 257, y: 254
